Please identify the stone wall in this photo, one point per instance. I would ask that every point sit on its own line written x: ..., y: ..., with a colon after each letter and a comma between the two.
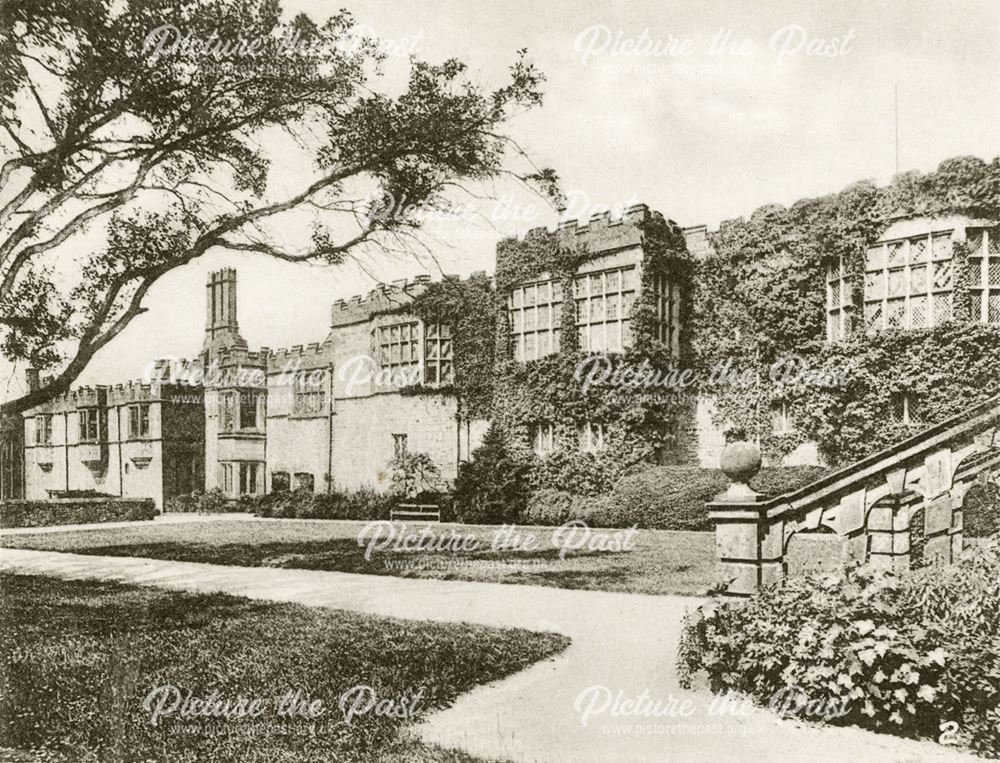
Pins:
x: 363, y: 429
x: 117, y: 463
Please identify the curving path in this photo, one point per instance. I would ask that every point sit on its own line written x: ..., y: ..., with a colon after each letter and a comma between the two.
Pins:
x: 622, y: 642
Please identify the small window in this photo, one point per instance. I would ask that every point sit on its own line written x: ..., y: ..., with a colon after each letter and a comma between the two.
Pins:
x: 43, y: 430
x: 248, y: 478
x: 279, y: 482
x: 226, y: 478
x: 248, y: 410
x: 399, y: 445
x: 309, y: 396
x: 782, y: 420
x: 905, y: 408
x: 838, y: 302
x: 138, y: 421
x: 305, y: 481
x: 227, y: 411
x: 90, y: 427
x: 438, y: 360
x: 543, y: 439
x: 591, y: 436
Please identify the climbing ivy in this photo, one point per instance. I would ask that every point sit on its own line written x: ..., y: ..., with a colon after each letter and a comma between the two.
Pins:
x: 469, y: 308
x: 761, y: 297
x: 640, y: 425
x: 757, y: 300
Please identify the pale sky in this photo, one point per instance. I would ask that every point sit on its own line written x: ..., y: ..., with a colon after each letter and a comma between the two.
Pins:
x: 701, y: 137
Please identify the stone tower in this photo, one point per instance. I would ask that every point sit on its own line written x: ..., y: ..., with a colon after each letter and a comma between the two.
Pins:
x: 222, y: 332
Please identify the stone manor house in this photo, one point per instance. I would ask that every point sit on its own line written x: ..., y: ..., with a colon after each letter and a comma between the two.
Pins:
x: 334, y: 414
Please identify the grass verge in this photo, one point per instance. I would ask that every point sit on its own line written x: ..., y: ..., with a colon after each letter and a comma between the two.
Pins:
x: 79, y: 659
x: 658, y: 561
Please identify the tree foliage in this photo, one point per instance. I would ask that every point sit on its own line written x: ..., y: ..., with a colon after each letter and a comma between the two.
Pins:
x: 168, y: 151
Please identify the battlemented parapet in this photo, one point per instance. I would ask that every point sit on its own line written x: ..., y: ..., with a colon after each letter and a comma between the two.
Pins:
x: 385, y: 297
x: 602, y: 232
x: 600, y: 236
x: 312, y: 355
x: 81, y: 397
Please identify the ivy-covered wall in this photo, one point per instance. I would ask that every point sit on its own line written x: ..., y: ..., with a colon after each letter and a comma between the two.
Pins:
x: 758, y: 296
x: 470, y: 308
x: 761, y: 296
x: 641, y: 425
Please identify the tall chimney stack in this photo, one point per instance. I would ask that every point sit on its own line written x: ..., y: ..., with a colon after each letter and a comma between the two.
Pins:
x: 221, y: 304
x: 222, y: 331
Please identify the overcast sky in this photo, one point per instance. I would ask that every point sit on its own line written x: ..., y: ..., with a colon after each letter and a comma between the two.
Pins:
x: 700, y: 135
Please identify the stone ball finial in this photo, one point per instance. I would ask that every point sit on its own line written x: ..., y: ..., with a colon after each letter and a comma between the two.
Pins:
x: 740, y: 462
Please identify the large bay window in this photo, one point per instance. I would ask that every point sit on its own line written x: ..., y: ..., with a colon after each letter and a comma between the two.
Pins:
x: 603, y: 303
x: 984, y: 260
x: 909, y: 283
x: 535, y: 313
x: 227, y: 411
x: 238, y: 478
x: 238, y: 410
x: 248, y: 410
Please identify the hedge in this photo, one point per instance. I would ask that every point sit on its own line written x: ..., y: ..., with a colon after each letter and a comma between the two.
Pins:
x: 658, y: 498
x: 916, y: 654
x: 75, y: 511
x: 674, y: 497
x: 361, y: 504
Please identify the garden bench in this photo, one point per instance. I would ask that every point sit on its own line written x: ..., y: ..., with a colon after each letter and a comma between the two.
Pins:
x: 420, y: 511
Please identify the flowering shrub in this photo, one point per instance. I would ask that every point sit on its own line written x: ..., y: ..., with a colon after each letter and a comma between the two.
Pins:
x: 915, y: 654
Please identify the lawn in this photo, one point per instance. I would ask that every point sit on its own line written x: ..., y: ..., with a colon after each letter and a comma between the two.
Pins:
x: 656, y: 562
x: 78, y: 660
